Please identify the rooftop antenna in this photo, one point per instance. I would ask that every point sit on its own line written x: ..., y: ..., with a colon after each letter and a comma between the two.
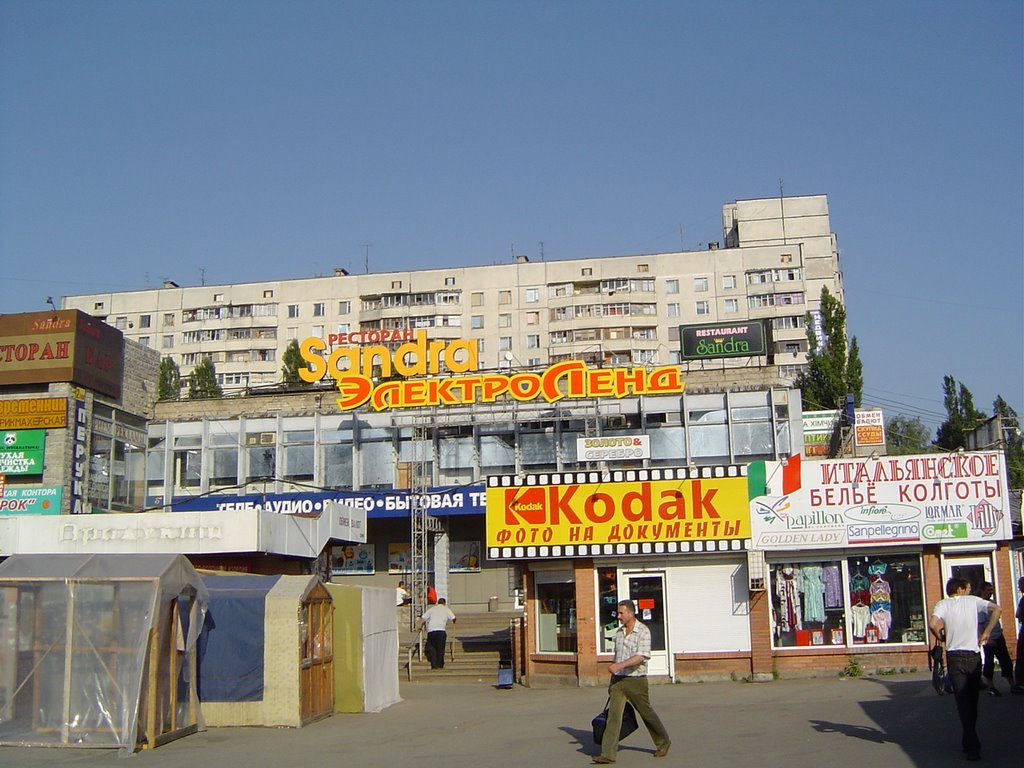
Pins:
x: 681, y: 246
x: 202, y: 276
x: 366, y: 257
x: 782, y: 209
x: 49, y: 300
x: 542, y: 250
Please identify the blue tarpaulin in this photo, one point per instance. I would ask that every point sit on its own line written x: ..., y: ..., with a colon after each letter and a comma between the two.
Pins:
x: 230, y: 652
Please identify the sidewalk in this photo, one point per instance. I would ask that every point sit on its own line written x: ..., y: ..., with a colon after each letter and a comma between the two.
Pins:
x: 839, y: 723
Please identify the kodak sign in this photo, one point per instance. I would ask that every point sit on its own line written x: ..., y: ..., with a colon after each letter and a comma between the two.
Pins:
x: 652, y: 508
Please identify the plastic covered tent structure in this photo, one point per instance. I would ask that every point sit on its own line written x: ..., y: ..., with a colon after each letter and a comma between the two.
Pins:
x: 98, y: 650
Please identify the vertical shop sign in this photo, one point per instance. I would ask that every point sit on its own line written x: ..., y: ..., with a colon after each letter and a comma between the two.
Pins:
x: 79, y: 454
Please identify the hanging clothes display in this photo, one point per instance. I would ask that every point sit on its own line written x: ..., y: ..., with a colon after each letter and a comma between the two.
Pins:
x: 789, y: 599
x: 833, y: 586
x: 881, y: 602
x: 812, y: 587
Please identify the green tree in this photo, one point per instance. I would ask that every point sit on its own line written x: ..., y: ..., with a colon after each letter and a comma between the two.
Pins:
x: 202, y: 382
x: 835, y: 370
x: 168, y: 385
x: 293, y: 363
x: 1013, y: 442
x: 961, y: 415
x: 905, y: 435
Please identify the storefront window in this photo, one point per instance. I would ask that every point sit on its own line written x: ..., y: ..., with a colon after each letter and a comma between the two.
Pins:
x: 866, y: 599
x: 556, y: 617
x: 887, y: 603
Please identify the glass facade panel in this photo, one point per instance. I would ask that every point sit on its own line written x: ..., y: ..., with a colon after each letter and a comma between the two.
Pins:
x: 337, y: 465
x: 538, y: 450
x: 377, y: 461
x: 224, y: 466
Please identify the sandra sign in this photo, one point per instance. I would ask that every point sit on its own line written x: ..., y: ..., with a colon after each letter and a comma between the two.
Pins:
x: 712, y: 340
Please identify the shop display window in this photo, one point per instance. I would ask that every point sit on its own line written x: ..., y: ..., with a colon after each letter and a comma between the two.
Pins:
x: 886, y: 600
x: 808, y: 605
x: 863, y: 600
x: 607, y: 607
x: 556, y: 617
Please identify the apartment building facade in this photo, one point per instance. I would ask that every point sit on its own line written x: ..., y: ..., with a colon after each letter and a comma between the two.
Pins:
x: 776, y: 256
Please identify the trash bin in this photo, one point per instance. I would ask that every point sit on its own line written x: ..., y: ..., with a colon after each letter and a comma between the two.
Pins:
x: 492, y: 603
x: 504, y: 674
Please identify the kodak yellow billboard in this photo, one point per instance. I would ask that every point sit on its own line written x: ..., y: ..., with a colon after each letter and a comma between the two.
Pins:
x: 623, y: 512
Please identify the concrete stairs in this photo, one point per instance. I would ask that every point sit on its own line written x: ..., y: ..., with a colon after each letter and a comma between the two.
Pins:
x: 476, y: 646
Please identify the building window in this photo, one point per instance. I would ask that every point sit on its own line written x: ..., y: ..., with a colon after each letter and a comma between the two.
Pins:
x: 505, y: 343
x: 787, y: 258
x: 533, y: 318
x: 476, y: 299
x: 145, y: 321
x: 218, y: 297
x: 504, y: 297
x: 268, y: 294
x: 759, y: 278
x: 756, y: 302
x: 505, y: 320
x: 701, y: 307
x: 700, y: 284
x: 732, y: 305
x: 396, y: 285
x: 167, y: 342
x: 672, y: 286
x: 532, y: 295
x: 533, y: 341
x: 344, y: 307
x: 121, y: 323
x: 293, y: 310
x: 643, y: 267
x: 168, y: 318
x: 97, y: 305
x: 449, y: 281
x: 728, y: 282
x: 318, y: 309
x: 476, y: 321
x: 587, y: 271
x: 673, y: 310
x: 144, y: 341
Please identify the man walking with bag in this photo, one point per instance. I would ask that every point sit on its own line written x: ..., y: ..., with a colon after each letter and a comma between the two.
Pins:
x: 629, y: 683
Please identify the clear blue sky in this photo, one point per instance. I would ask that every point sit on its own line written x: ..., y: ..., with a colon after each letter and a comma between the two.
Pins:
x: 144, y: 139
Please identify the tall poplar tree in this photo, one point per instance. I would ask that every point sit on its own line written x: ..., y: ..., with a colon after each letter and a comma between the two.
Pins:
x: 835, y: 369
x: 293, y: 363
x: 961, y: 415
x: 168, y: 380
x: 202, y: 382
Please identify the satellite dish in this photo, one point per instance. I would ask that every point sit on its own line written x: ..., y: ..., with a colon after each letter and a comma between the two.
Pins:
x: 508, y: 357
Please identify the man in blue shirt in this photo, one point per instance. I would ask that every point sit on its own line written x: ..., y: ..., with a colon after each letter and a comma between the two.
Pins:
x: 629, y: 683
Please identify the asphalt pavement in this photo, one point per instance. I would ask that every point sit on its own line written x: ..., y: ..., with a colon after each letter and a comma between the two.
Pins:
x: 831, y: 722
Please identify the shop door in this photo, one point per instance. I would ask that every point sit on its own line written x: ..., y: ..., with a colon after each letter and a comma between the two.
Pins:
x: 647, y: 592
x: 975, y: 569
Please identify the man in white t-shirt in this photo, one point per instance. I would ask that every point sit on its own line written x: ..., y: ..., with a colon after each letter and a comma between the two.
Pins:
x: 435, y: 620
x: 955, y: 621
